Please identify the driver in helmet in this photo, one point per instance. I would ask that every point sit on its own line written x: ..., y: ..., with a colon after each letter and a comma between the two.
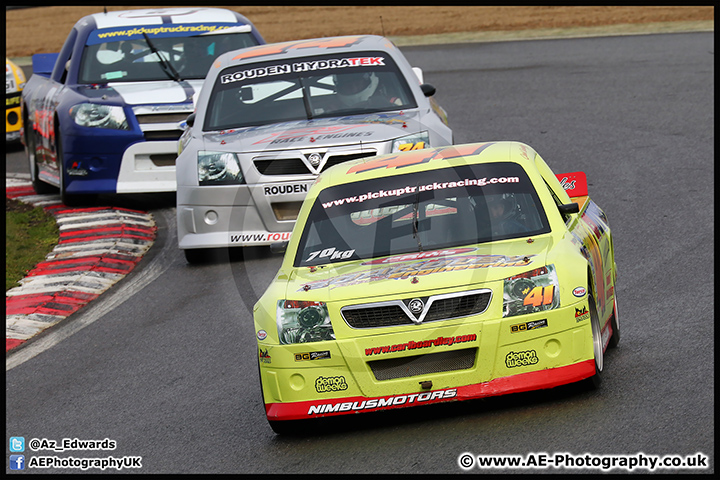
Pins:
x: 362, y: 88
x: 502, y: 216
x: 195, y: 59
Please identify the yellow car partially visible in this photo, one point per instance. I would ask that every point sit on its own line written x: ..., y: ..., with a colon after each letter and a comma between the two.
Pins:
x: 14, y: 83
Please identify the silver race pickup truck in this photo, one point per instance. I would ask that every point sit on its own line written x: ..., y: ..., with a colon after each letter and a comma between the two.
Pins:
x: 270, y: 119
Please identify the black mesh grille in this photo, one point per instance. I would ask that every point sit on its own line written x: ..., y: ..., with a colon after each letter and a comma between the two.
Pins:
x: 384, y: 316
x: 457, y: 307
x: 440, y: 309
x: 145, y: 118
x: 423, y: 364
x: 170, y: 132
x: 282, y: 166
x: 295, y: 166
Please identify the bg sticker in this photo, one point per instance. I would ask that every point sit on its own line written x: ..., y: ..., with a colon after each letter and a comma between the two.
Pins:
x: 522, y: 327
x: 299, y: 357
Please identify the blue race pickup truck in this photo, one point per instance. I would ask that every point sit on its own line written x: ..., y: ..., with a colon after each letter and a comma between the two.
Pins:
x: 104, y: 115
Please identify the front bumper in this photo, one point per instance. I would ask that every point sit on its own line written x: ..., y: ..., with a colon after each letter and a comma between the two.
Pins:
x: 217, y: 227
x: 119, y: 163
x: 242, y: 215
x: 459, y: 360
x: 501, y: 386
x: 148, y: 167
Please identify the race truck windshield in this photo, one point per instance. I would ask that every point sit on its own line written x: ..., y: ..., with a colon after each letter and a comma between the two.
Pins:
x: 418, y: 212
x: 134, y: 60
x: 306, y: 88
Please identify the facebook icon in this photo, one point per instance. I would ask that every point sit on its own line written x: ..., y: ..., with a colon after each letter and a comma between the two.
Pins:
x: 17, y: 462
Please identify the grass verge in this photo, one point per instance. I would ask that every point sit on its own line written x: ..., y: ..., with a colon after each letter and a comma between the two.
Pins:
x: 30, y: 234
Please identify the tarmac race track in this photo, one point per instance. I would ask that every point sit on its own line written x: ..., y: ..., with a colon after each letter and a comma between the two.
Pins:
x: 164, y: 363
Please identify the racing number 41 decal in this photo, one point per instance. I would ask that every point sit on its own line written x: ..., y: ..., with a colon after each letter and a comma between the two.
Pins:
x: 540, y: 296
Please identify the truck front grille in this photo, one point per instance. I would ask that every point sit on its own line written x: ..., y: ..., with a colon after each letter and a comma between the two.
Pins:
x: 282, y: 166
x: 396, y: 312
x: 296, y: 166
x: 162, y: 122
x: 174, y: 118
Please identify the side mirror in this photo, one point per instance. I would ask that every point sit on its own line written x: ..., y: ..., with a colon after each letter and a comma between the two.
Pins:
x: 427, y: 89
x: 569, y: 208
x: 190, y: 120
x: 278, y: 247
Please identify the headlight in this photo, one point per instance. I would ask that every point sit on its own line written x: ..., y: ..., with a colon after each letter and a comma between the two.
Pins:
x: 99, y: 116
x: 531, y: 292
x: 303, y: 322
x: 416, y: 141
x: 219, y: 168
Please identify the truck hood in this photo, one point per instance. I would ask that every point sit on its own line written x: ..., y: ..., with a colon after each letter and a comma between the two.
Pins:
x: 370, y: 128
x: 147, y: 93
x: 419, y: 273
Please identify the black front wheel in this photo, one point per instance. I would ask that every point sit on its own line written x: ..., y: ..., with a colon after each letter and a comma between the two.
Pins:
x: 615, y: 338
x: 65, y: 198
x: 39, y: 186
x: 288, y: 427
x: 196, y: 255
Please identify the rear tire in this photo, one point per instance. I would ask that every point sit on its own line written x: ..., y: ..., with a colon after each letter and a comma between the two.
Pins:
x: 598, y: 353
